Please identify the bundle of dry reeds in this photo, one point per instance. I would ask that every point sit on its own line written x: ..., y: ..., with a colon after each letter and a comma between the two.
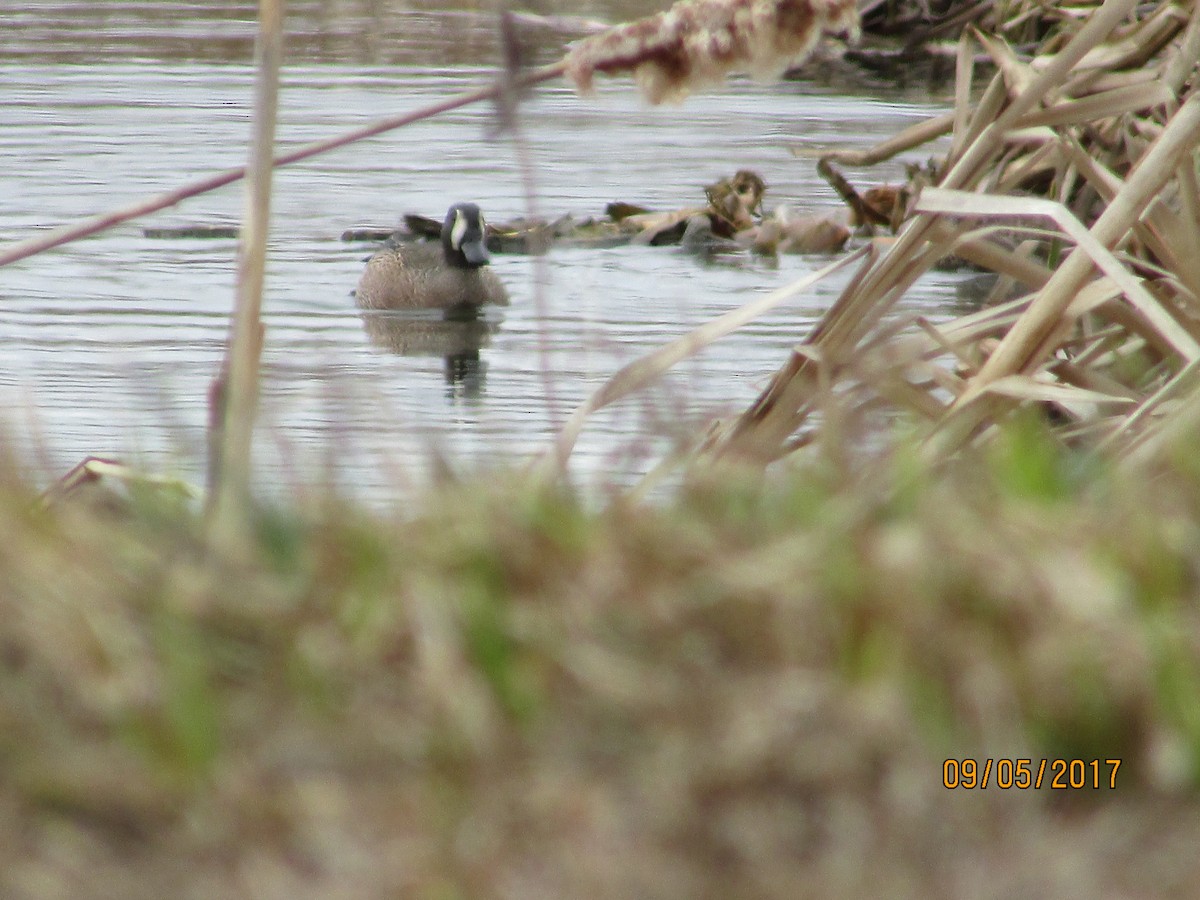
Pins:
x: 1072, y: 178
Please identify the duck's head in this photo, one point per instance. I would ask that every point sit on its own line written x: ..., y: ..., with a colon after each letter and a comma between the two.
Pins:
x: 463, y: 237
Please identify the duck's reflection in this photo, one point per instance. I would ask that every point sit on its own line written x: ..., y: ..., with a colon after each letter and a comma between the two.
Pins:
x: 457, y: 339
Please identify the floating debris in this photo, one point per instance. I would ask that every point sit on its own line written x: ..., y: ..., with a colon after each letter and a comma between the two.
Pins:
x: 733, y: 217
x: 192, y: 231
x: 110, y: 484
x: 355, y: 235
x: 737, y: 201
x: 618, y: 210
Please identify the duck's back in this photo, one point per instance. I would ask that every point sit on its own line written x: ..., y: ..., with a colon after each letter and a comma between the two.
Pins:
x: 417, y: 276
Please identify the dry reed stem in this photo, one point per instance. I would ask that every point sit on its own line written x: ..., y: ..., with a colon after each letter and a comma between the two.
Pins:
x: 939, y: 200
x: 1116, y: 102
x: 975, y: 247
x: 1147, y: 442
x: 228, y: 499
x: 964, y: 82
x: 1044, y: 389
x: 913, y: 136
x: 696, y: 43
x: 1182, y: 61
x: 1097, y: 28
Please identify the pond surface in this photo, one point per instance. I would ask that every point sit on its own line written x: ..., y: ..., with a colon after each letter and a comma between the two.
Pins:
x: 109, y: 344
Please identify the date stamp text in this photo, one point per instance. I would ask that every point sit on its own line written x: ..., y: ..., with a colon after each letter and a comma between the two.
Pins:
x: 1024, y: 774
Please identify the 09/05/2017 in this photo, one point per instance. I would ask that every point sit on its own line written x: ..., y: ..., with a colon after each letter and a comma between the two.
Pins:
x: 1023, y: 774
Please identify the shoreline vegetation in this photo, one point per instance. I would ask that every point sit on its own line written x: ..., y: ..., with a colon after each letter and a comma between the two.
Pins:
x: 759, y: 685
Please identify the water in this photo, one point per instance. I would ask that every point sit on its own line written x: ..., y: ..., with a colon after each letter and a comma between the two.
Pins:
x: 109, y: 344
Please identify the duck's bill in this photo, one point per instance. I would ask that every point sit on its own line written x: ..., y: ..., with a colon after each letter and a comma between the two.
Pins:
x: 476, y: 253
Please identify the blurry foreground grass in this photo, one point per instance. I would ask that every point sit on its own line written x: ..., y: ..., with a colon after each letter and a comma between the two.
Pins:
x: 747, y: 691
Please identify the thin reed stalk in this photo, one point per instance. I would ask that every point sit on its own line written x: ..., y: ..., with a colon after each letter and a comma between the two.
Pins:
x: 228, y: 497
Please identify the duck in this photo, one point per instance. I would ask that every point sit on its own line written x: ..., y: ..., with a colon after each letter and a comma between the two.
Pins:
x: 455, y: 277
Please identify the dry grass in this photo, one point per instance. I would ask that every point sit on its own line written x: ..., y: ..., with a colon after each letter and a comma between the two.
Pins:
x: 743, y: 692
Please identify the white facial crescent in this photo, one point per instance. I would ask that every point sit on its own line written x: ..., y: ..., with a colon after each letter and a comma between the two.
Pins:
x: 458, y: 231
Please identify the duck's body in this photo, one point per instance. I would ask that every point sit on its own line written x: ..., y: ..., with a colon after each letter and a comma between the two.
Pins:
x: 452, y: 275
x: 416, y: 276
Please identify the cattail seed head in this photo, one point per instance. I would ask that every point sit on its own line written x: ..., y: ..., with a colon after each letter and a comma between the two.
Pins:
x: 697, y: 42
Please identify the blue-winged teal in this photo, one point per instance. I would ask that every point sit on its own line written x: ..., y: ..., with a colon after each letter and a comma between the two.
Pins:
x: 419, y: 275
